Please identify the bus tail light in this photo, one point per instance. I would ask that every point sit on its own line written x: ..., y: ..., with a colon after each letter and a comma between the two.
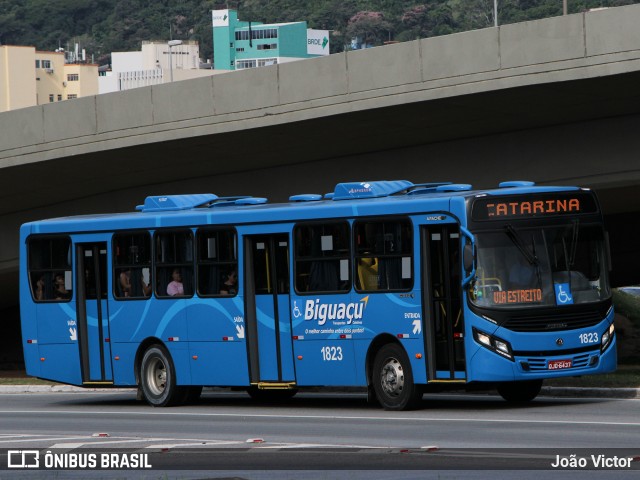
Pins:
x: 495, y: 344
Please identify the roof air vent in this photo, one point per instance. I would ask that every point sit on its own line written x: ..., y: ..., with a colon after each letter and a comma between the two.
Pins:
x: 454, y: 187
x: 516, y: 183
x: 305, y: 197
x: 251, y: 201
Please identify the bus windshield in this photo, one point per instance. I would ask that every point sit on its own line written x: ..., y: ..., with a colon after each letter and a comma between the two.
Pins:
x: 544, y: 266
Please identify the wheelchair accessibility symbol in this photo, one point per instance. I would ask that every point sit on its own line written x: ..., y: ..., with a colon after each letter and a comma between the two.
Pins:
x: 563, y: 294
x: 296, y: 310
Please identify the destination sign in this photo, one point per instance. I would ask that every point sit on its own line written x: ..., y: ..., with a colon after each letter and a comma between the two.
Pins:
x: 532, y: 295
x: 537, y: 205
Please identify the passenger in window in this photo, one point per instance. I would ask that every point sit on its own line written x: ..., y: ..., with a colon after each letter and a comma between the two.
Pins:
x: 40, y: 288
x: 146, y: 289
x: 175, y: 287
x: 230, y: 286
x: 368, y: 273
x: 59, y: 290
x: 125, y: 283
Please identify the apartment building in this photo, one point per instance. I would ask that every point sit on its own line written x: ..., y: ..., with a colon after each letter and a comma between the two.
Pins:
x: 29, y: 77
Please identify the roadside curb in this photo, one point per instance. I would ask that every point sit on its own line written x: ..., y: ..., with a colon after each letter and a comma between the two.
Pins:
x: 622, y: 393
x: 592, y: 392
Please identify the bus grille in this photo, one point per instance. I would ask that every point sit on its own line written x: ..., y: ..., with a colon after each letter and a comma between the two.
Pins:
x: 553, y: 322
x: 541, y: 364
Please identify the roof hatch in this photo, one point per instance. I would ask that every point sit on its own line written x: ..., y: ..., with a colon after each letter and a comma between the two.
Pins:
x: 383, y: 188
x: 166, y: 203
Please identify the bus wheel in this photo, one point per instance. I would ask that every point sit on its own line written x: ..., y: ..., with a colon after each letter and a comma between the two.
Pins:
x: 520, y: 392
x: 158, y: 378
x: 393, y: 380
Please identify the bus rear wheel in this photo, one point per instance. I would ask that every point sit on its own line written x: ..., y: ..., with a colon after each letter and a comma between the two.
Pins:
x: 520, y: 392
x: 158, y: 378
x: 393, y: 379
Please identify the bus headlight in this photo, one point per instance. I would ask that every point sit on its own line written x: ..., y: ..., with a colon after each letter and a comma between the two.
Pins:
x: 501, y: 346
x: 495, y: 344
x: 607, y: 336
x: 483, y: 338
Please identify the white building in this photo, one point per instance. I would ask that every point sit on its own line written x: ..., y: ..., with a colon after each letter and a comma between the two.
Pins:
x: 156, y: 63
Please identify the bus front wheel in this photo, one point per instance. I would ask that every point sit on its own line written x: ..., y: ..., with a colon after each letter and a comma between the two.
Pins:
x: 520, y: 392
x: 393, y: 379
x: 158, y: 378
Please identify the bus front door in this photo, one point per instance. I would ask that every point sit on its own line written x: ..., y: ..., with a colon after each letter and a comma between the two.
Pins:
x: 444, y: 323
x: 93, y: 313
x: 268, y: 320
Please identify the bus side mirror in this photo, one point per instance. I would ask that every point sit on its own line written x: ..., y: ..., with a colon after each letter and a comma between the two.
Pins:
x: 467, y: 258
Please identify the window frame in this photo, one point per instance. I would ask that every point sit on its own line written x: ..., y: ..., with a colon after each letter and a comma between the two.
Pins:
x: 116, y: 267
x: 198, y: 260
x: 356, y: 256
x: 50, y: 269
x: 158, y: 265
x: 348, y: 256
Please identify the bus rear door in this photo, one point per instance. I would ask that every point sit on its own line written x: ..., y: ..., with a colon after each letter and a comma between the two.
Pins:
x: 93, y: 313
x: 444, y: 322
x: 268, y: 320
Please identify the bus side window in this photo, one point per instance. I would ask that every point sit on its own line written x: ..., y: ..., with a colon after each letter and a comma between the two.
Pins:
x: 217, y: 261
x: 384, y: 255
x: 174, y: 263
x: 322, y: 254
x: 49, y: 265
x: 132, y: 265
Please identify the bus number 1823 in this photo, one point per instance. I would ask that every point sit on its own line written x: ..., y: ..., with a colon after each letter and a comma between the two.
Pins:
x: 331, y: 354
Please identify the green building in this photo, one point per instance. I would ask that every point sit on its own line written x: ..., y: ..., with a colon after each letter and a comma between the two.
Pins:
x: 238, y: 44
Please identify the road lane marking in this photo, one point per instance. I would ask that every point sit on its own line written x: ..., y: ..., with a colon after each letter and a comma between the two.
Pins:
x: 43, y: 437
x: 119, y: 413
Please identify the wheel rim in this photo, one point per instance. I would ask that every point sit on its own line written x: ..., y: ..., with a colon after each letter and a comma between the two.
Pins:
x: 392, y: 377
x: 157, y: 376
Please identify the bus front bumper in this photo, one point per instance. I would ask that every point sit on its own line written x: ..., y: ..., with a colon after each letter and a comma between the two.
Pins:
x: 488, y: 366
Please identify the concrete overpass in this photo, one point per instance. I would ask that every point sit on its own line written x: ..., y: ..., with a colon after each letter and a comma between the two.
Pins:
x: 555, y: 101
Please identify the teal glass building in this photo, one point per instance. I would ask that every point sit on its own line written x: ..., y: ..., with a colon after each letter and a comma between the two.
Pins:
x: 240, y: 44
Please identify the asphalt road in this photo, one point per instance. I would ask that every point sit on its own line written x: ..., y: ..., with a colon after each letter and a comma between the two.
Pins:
x: 317, y: 433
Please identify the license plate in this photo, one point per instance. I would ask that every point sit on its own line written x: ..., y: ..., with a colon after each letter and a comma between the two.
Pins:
x: 559, y: 364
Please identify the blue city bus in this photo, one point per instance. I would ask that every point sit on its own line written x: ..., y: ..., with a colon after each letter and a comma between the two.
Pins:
x: 398, y: 287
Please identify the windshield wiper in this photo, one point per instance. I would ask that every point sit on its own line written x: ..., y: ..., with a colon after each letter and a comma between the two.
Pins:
x: 513, y: 235
x: 529, y: 255
x: 574, y: 242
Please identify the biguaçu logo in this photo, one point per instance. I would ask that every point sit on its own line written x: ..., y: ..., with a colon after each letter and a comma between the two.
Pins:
x: 314, y: 310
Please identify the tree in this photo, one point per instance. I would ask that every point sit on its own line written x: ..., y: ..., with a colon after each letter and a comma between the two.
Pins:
x: 370, y: 28
x: 426, y: 21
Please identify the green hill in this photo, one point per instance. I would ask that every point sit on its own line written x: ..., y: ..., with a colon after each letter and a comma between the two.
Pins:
x: 104, y: 26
